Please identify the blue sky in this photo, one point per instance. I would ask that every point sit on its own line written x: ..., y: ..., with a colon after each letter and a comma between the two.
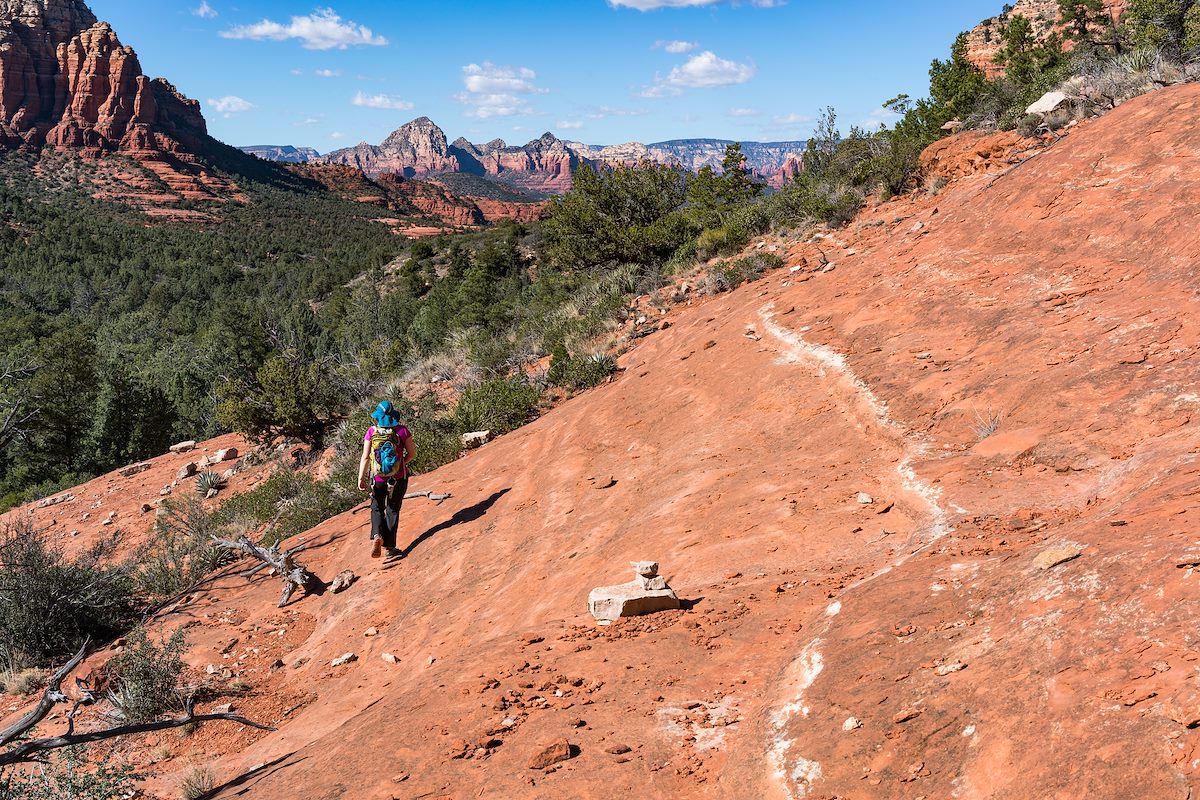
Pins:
x: 332, y: 73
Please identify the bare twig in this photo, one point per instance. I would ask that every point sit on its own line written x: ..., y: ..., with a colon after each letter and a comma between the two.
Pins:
x: 30, y: 750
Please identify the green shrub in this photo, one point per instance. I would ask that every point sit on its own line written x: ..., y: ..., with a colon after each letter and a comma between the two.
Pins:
x: 579, y: 373
x: 732, y: 274
x: 181, y: 553
x: 69, y: 775
x: 147, y: 676
x: 498, y: 406
x: 198, y: 782
x: 49, y: 604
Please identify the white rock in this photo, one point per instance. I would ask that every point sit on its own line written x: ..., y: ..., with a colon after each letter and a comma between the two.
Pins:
x: 183, y: 447
x: 476, y: 439
x: 341, y: 660
x: 389, y: 658
x: 645, y: 594
x: 865, y: 499
x: 1047, y: 103
x: 851, y: 723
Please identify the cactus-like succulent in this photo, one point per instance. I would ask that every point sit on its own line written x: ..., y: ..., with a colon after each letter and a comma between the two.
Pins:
x: 207, y: 481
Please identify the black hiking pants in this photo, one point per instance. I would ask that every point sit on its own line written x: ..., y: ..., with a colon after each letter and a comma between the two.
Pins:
x: 386, y: 499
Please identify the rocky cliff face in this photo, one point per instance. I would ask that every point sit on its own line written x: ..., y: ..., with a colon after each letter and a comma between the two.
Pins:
x: 415, y: 149
x: 544, y: 165
x: 984, y: 40
x: 67, y: 81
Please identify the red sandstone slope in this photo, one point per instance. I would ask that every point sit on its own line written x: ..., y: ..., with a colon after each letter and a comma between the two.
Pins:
x: 913, y: 646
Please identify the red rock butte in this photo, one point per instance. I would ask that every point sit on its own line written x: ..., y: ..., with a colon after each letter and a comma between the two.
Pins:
x: 928, y: 491
x: 66, y: 81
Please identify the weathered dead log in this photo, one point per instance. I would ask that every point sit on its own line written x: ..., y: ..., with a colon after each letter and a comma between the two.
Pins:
x: 281, y: 562
x: 31, y: 749
x: 51, y: 697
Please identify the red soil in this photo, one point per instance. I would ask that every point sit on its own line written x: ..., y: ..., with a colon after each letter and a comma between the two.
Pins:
x: 1053, y: 301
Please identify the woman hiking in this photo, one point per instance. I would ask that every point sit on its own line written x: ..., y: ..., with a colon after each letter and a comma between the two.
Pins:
x: 387, y: 448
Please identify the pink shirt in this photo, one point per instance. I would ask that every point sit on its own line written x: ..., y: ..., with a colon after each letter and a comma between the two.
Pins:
x: 403, y: 434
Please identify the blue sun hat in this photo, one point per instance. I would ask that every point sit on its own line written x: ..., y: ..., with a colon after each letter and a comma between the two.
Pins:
x: 386, y: 415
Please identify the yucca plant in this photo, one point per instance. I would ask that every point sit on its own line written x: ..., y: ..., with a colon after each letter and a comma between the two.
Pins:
x: 207, y: 481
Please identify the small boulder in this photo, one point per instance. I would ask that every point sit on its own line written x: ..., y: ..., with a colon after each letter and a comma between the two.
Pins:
x: 552, y: 754
x: 851, y: 724
x: 1047, y: 103
x: 133, y: 469
x: 187, y: 470
x: 645, y: 594
x: 228, y: 454
x: 1060, y: 554
x: 183, y: 447
x: 224, y: 708
x: 865, y: 499
x: 344, y: 659
x: 54, y: 501
x: 389, y: 658
x: 344, y: 580
x: 477, y: 439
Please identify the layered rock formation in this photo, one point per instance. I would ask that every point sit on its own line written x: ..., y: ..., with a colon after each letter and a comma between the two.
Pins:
x: 67, y: 81
x: 546, y: 164
x: 414, y: 149
x: 984, y: 40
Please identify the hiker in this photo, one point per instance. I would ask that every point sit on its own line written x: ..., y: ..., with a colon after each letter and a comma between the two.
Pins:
x: 387, y: 448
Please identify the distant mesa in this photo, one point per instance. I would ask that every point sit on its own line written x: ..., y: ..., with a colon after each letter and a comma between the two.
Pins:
x: 285, y: 154
x: 419, y: 149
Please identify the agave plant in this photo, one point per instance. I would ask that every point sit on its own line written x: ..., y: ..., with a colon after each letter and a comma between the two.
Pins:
x: 207, y: 481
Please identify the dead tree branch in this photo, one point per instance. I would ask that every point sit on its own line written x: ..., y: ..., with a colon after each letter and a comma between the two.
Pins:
x: 434, y: 496
x: 282, y: 563
x: 437, y: 498
x: 30, y: 750
x: 51, y: 697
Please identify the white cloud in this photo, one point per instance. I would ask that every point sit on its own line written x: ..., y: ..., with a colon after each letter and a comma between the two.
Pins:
x: 497, y: 91
x: 381, y: 101
x: 321, y: 30
x: 660, y: 90
x: 676, y: 47
x: 205, y: 11
x: 743, y: 112
x: 608, y: 111
x: 652, y: 5
x: 570, y: 125
x: 337, y: 135
x: 229, y: 105
x: 327, y: 73
x: 297, y: 71
x: 707, y: 71
x: 792, y: 119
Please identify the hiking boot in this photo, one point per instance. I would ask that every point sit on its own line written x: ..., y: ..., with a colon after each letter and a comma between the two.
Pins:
x: 394, y: 552
x: 376, y: 547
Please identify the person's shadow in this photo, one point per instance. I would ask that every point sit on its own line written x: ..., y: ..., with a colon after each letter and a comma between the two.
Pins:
x: 461, y: 517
